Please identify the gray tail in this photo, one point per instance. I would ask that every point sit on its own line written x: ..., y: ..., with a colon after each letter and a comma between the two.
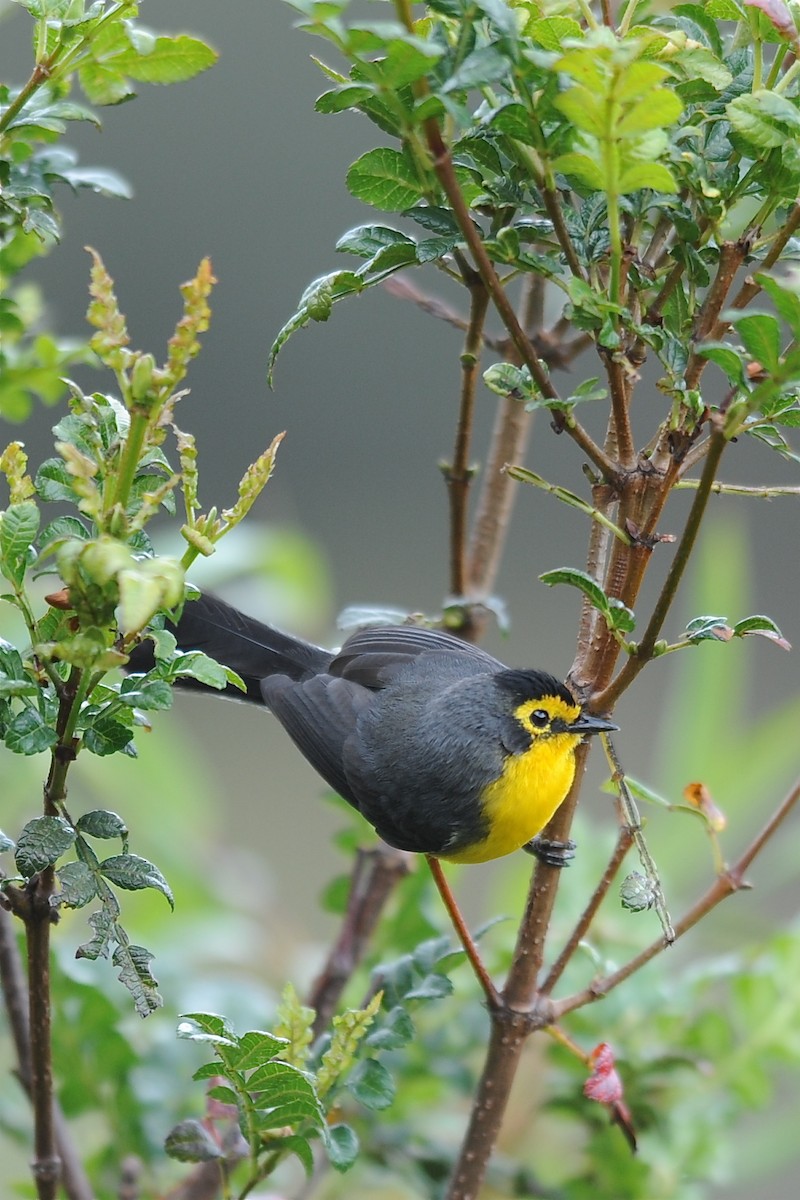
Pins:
x: 251, y: 648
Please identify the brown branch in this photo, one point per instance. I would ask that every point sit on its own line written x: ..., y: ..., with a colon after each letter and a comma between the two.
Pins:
x: 723, y: 886
x: 607, y: 698
x: 376, y: 873
x: 623, y: 845
x: 458, y: 474
x: 46, y: 1166
x: 731, y: 257
x: 750, y: 288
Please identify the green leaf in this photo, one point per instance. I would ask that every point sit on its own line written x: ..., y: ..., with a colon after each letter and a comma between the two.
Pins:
x: 341, y: 1144
x: 504, y: 379
x: 190, y: 1141
x: 764, y: 627
x: 785, y: 295
x: 135, y: 975
x: 255, y: 1048
x: 206, y: 1027
x: 761, y: 337
x: 131, y: 872
x: 483, y: 66
x: 647, y: 175
x: 384, y: 178
x: 371, y: 1084
x: 19, y: 525
x: 102, y: 823
x: 350, y: 95
x: 53, y: 481
x: 27, y: 733
x: 78, y: 886
x: 727, y: 360
x: 295, y: 1143
x: 41, y: 843
x: 137, y: 691
x: 659, y: 108
x: 168, y: 60
x: 193, y: 664
x: 584, y: 583
x: 395, y: 1031
x: 550, y: 32
x: 106, y: 736
x: 708, y: 628
x: 105, y: 932
x: 580, y: 166
x: 764, y: 118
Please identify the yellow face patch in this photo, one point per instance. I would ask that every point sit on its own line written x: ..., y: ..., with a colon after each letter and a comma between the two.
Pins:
x: 533, y: 784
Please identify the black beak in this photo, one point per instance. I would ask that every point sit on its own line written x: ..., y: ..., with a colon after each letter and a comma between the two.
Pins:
x: 586, y: 723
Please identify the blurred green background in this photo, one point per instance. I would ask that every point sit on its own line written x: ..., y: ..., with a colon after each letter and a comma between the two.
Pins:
x: 237, y: 165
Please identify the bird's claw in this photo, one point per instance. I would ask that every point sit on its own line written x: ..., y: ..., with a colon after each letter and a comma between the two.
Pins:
x: 551, y: 853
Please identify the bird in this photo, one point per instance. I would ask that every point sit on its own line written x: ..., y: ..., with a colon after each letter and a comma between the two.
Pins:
x: 442, y: 748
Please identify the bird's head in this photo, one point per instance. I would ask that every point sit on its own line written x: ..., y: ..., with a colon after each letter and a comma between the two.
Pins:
x: 539, y: 707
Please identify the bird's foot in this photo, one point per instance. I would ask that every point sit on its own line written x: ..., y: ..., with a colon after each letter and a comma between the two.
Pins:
x: 551, y: 853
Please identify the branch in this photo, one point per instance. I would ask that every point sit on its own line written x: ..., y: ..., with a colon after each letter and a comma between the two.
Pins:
x: 376, y: 873
x: 458, y: 474
x: 723, y: 886
x: 15, y: 996
x: 605, y: 701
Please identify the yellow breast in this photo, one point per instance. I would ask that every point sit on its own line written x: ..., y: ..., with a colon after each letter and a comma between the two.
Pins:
x: 521, y: 802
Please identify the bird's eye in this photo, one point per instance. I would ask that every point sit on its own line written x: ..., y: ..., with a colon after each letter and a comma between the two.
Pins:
x: 540, y: 718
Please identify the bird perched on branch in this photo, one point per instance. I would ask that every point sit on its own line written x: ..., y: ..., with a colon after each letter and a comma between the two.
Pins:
x: 443, y: 749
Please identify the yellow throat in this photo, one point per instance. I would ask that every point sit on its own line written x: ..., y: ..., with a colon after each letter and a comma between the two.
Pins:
x: 532, y: 785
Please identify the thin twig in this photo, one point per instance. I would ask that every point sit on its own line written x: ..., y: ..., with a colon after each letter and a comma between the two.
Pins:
x: 731, y: 257
x: 723, y: 886
x: 623, y: 845
x: 464, y: 935
x: 458, y: 473
x: 607, y: 698
x: 740, y: 489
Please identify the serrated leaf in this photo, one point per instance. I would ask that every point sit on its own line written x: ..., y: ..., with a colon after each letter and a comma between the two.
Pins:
x: 53, y: 481
x: 372, y: 1085
x: 384, y: 178
x: 660, y: 108
x: 103, y: 924
x: 41, y: 843
x: 102, y: 823
x: 190, y: 1141
x: 168, y: 60
x: 584, y: 583
x: 206, y: 1027
x: 137, y: 691
x: 368, y: 240
x: 132, y: 872
x: 764, y: 118
x: 135, y: 974
x: 255, y: 1048
x: 621, y: 617
x: 26, y: 733
x: 431, y: 987
x: 77, y: 883
x: 19, y: 525
x: 106, y: 736
x: 342, y: 1146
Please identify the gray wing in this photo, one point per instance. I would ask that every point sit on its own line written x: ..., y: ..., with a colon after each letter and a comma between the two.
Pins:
x: 373, y: 657
x: 319, y: 714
